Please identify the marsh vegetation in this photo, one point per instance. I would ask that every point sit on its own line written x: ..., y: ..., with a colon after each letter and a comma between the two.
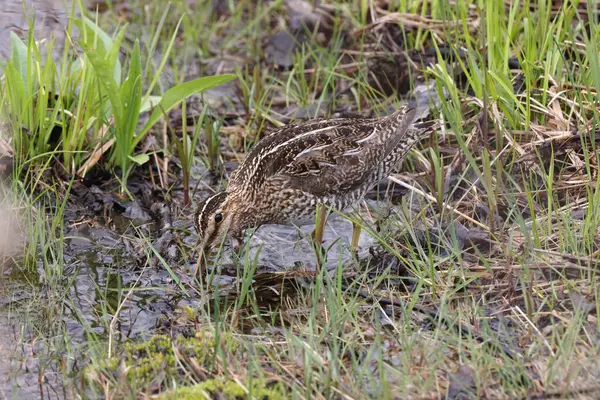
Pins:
x: 476, y: 275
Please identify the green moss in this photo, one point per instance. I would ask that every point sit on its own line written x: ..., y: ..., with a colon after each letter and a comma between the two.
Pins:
x: 153, y: 362
x: 148, y: 360
x: 232, y: 390
x: 228, y: 388
x: 142, y: 362
x: 202, y: 347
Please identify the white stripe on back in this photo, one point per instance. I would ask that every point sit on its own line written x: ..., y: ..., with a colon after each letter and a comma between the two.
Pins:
x: 280, y: 145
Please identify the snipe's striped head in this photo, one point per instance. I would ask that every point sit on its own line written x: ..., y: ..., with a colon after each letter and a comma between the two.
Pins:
x: 212, y: 220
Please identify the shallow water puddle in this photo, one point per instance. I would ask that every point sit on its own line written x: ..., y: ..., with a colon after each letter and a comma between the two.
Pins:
x: 282, y: 247
x: 108, y: 280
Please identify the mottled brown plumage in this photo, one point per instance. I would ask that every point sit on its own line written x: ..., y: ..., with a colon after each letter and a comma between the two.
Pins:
x: 288, y: 173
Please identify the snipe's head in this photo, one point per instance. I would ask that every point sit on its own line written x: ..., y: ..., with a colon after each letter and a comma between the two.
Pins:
x: 212, y: 220
x: 215, y: 220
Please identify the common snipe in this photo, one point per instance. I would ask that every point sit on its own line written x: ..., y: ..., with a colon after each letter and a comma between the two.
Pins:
x: 297, y: 170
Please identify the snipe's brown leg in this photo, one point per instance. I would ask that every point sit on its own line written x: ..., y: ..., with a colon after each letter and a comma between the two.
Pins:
x: 318, y: 234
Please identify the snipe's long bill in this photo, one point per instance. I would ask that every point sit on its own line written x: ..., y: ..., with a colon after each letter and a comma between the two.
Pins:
x: 290, y: 173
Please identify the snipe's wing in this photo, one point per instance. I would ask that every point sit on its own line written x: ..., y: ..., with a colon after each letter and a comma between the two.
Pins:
x: 325, y: 156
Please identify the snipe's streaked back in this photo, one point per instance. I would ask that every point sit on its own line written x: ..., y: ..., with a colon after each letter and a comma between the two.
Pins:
x: 288, y: 173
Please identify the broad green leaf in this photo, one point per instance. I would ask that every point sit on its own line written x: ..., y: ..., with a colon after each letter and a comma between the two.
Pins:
x: 19, y: 56
x: 92, y: 28
x: 16, y: 91
x: 103, y: 69
x: 113, y: 56
x: 89, y: 35
x: 131, y: 94
x: 140, y: 159
x: 177, y: 94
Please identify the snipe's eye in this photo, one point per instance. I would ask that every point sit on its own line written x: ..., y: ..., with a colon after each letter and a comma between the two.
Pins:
x: 218, y: 217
